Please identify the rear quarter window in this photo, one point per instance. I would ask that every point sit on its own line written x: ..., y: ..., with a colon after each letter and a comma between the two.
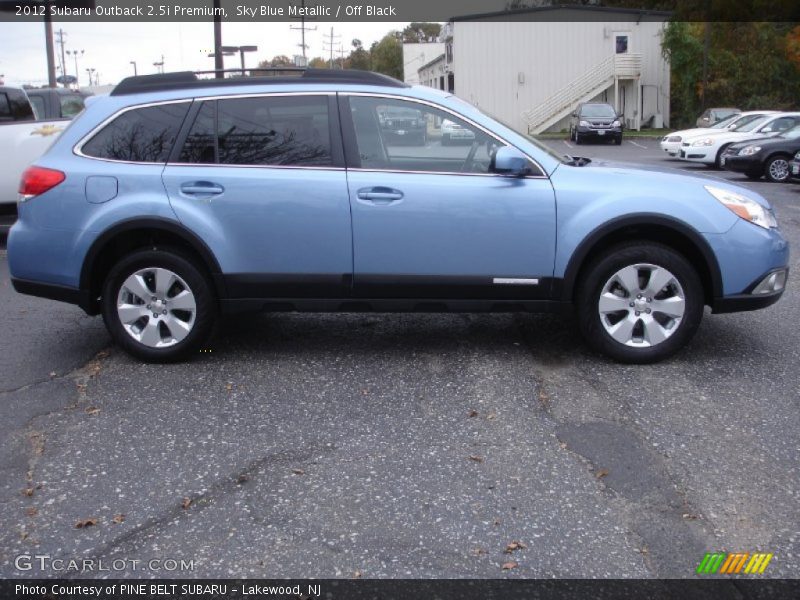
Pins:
x: 139, y: 135
x: 5, y: 107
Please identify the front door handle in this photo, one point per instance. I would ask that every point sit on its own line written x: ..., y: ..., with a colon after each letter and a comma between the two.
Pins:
x: 379, y: 195
x: 201, y: 188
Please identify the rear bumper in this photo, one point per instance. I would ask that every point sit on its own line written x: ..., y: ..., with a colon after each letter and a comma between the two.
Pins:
x: 53, y: 291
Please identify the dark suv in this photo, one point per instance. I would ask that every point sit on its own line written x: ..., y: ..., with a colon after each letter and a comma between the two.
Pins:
x: 594, y: 120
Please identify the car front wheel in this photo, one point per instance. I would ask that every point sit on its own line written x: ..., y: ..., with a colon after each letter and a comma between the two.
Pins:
x: 777, y: 169
x: 639, y: 302
x: 158, y: 305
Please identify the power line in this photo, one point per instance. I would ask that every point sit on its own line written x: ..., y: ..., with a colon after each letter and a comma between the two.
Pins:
x: 302, y: 29
x: 329, y: 45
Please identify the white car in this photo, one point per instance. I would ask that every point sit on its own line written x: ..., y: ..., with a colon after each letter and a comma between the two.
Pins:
x: 453, y: 133
x: 707, y: 148
x: 671, y: 144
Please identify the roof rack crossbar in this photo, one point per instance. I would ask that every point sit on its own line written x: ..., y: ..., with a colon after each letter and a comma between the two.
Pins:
x: 189, y: 79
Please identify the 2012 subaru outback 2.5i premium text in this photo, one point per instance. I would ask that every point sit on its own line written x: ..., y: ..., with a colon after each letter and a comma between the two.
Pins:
x: 176, y: 199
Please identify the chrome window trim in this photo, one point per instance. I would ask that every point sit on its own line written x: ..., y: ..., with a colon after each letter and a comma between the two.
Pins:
x: 460, y: 117
x: 227, y: 166
x: 77, y: 149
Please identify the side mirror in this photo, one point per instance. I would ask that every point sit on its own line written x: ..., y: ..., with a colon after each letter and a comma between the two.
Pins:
x: 511, y: 162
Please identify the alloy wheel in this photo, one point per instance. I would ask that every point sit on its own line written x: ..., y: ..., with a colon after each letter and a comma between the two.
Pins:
x: 779, y: 169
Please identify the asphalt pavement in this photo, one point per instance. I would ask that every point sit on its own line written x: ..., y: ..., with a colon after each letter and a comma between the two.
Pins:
x: 307, y: 445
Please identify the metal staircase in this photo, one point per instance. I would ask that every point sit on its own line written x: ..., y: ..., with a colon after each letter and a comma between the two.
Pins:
x: 587, y: 86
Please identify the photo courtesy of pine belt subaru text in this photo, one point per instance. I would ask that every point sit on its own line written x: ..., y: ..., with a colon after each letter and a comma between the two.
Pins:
x: 175, y: 200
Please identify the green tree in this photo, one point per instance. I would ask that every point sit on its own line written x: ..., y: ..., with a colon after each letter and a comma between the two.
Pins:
x: 359, y: 57
x: 387, y: 55
x: 416, y: 33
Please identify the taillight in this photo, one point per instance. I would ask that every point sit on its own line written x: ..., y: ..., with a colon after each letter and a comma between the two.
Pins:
x: 37, y: 180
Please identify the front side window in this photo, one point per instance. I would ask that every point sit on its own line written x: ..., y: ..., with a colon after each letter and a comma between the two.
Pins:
x: 265, y: 130
x: 139, y: 135
x: 399, y: 135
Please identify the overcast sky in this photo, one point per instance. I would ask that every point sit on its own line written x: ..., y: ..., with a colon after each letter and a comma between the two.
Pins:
x: 109, y: 47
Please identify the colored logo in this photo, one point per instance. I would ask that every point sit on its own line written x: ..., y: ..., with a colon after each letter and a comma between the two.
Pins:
x: 734, y: 563
x: 46, y: 130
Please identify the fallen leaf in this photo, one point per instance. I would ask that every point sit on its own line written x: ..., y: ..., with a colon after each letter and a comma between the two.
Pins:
x: 491, y: 416
x: 102, y: 354
x: 27, y: 492
x: 186, y: 503
x: 563, y: 445
x: 511, y: 547
x: 86, y: 523
x: 479, y: 551
x: 357, y: 575
x: 92, y: 410
x: 364, y: 392
x: 472, y: 413
x: 601, y: 473
x: 32, y: 511
x: 689, y: 517
x: 544, y: 399
x: 298, y: 471
x: 477, y: 459
x: 23, y: 535
x: 496, y: 522
x: 229, y: 386
x: 118, y: 518
x: 510, y: 565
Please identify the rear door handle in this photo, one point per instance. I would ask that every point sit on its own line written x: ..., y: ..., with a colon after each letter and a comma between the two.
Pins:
x: 201, y: 188
x: 380, y: 195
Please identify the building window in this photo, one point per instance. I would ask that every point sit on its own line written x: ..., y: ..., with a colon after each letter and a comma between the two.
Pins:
x: 622, y: 44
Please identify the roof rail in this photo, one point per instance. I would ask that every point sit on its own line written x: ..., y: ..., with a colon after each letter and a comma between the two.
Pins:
x: 273, y: 75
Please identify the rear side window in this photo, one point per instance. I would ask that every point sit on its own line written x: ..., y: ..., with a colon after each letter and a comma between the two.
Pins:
x: 71, y: 105
x: 139, y: 135
x: 269, y: 131
x: 38, y: 106
x: 5, y: 107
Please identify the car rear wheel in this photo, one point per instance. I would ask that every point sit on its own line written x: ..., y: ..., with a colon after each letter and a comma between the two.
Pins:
x: 158, y: 305
x: 777, y: 169
x: 639, y: 302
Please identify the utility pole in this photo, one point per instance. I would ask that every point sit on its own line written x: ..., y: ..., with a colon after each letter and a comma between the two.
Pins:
x: 330, y: 46
x: 340, y: 52
x: 217, y: 54
x: 60, y: 33
x: 135, y: 70
x: 48, y: 41
x: 303, y: 30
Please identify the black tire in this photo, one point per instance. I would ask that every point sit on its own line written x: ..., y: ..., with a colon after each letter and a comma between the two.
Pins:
x: 597, y: 273
x: 618, y: 141
x: 578, y: 138
x: 193, y: 275
x: 718, y: 158
x: 754, y: 174
x: 770, y: 164
x: 445, y: 140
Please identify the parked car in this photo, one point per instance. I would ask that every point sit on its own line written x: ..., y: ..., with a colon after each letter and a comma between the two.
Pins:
x: 708, y: 148
x: 456, y: 133
x: 23, y: 139
x: 56, y: 103
x: 764, y: 157
x: 794, y: 166
x: 174, y: 199
x: 595, y: 120
x: 671, y: 143
x: 400, y: 126
x: 714, y: 115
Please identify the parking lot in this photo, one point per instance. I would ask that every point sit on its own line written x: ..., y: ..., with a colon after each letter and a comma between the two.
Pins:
x: 421, y: 445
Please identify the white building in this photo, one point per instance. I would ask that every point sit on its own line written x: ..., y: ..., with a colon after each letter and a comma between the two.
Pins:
x: 534, y: 71
x: 416, y: 55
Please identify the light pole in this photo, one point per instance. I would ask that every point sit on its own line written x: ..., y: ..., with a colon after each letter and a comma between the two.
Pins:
x: 241, y: 50
x: 159, y: 65
x: 219, y: 62
x: 74, y: 54
x: 91, y: 71
x: 135, y: 72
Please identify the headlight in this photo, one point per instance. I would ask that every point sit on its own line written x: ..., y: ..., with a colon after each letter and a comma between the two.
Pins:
x: 749, y: 150
x: 797, y: 156
x: 583, y: 123
x: 704, y: 142
x: 748, y: 209
x: 615, y: 124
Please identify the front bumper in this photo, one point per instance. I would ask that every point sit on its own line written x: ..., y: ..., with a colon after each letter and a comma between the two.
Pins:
x: 671, y: 148
x: 701, y: 154
x: 741, y: 164
x: 794, y: 169
x: 751, y: 300
x: 600, y: 133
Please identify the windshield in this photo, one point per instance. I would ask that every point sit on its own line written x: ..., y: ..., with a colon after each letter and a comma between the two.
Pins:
x: 598, y: 110
x: 742, y: 121
x: 752, y: 124
x: 727, y: 121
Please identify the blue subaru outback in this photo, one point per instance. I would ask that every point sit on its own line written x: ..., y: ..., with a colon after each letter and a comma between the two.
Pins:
x: 176, y: 199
